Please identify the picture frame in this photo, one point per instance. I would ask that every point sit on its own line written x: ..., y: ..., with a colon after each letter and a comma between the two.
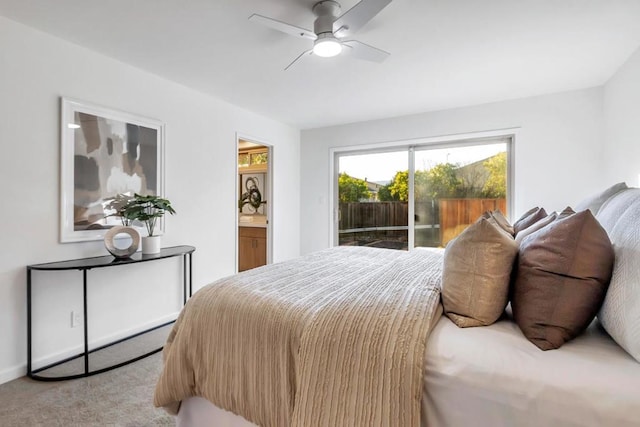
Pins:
x: 252, y: 193
x: 104, y: 152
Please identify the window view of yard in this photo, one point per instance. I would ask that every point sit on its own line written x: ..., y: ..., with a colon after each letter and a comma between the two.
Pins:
x: 453, y: 186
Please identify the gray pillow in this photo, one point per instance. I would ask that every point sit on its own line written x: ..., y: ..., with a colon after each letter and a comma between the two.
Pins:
x: 595, y: 202
x: 620, y: 313
x: 476, y: 274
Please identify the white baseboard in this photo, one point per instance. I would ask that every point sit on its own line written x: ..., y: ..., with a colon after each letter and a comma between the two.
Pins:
x: 15, y: 372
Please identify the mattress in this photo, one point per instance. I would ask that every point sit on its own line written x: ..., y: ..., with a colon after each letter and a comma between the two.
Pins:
x: 199, y: 412
x: 493, y: 376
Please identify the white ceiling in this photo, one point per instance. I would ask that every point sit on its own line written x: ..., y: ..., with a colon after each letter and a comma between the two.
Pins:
x: 444, y: 53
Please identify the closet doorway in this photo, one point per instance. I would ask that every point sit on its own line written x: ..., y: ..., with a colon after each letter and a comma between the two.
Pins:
x: 254, y: 203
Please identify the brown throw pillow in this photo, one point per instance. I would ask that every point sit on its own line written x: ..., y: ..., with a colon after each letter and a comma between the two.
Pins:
x: 477, y: 268
x: 566, y: 212
x: 530, y: 217
x: 500, y: 219
x: 563, y: 272
x: 536, y: 226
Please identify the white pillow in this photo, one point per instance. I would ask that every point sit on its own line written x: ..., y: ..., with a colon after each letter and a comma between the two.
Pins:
x: 595, y: 202
x: 620, y: 312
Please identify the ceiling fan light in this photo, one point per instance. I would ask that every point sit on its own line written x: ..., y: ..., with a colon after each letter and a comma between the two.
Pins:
x: 327, y: 47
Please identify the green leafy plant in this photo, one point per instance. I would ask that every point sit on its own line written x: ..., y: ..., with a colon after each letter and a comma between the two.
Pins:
x: 352, y: 189
x: 146, y: 209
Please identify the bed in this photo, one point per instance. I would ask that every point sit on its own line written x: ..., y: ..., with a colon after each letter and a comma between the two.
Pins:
x: 589, y: 382
x: 489, y: 375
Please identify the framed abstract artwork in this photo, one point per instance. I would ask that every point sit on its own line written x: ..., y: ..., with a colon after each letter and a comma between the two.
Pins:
x: 104, y: 153
x: 252, y: 193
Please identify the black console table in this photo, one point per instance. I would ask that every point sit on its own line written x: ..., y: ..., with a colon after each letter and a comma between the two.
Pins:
x: 85, y: 264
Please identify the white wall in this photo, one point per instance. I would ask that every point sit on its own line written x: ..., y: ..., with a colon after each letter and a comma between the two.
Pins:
x: 35, y: 71
x: 622, y: 123
x: 557, y: 150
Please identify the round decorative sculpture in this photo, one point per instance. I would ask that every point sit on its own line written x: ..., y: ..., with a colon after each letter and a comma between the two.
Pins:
x: 125, y: 252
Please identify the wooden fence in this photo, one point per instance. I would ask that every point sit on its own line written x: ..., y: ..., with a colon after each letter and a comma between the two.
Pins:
x: 458, y: 214
x: 358, y: 215
x: 436, y: 222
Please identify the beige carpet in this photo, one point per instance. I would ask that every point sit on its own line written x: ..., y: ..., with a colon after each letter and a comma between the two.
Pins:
x: 122, y: 397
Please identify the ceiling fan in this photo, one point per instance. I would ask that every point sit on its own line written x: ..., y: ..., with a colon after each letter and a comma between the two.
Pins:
x: 330, y: 29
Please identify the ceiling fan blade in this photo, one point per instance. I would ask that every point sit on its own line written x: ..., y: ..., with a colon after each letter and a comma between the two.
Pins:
x: 306, y: 52
x: 356, y: 17
x: 283, y: 27
x: 364, y: 51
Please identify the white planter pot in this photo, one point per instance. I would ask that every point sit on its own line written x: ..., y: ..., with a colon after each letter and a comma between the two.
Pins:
x: 151, y: 245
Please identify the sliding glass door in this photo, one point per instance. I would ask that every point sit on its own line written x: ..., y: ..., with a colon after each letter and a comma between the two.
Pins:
x: 373, y: 206
x: 453, y: 186
x: 419, y: 195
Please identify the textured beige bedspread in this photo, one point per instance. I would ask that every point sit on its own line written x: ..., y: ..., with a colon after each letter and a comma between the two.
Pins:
x: 335, y: 338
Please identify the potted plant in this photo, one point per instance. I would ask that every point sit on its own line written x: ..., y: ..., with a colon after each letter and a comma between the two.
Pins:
x: 147, y: 209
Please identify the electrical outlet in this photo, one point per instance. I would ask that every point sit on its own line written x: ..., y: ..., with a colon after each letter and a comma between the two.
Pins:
x: 76, y: 318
